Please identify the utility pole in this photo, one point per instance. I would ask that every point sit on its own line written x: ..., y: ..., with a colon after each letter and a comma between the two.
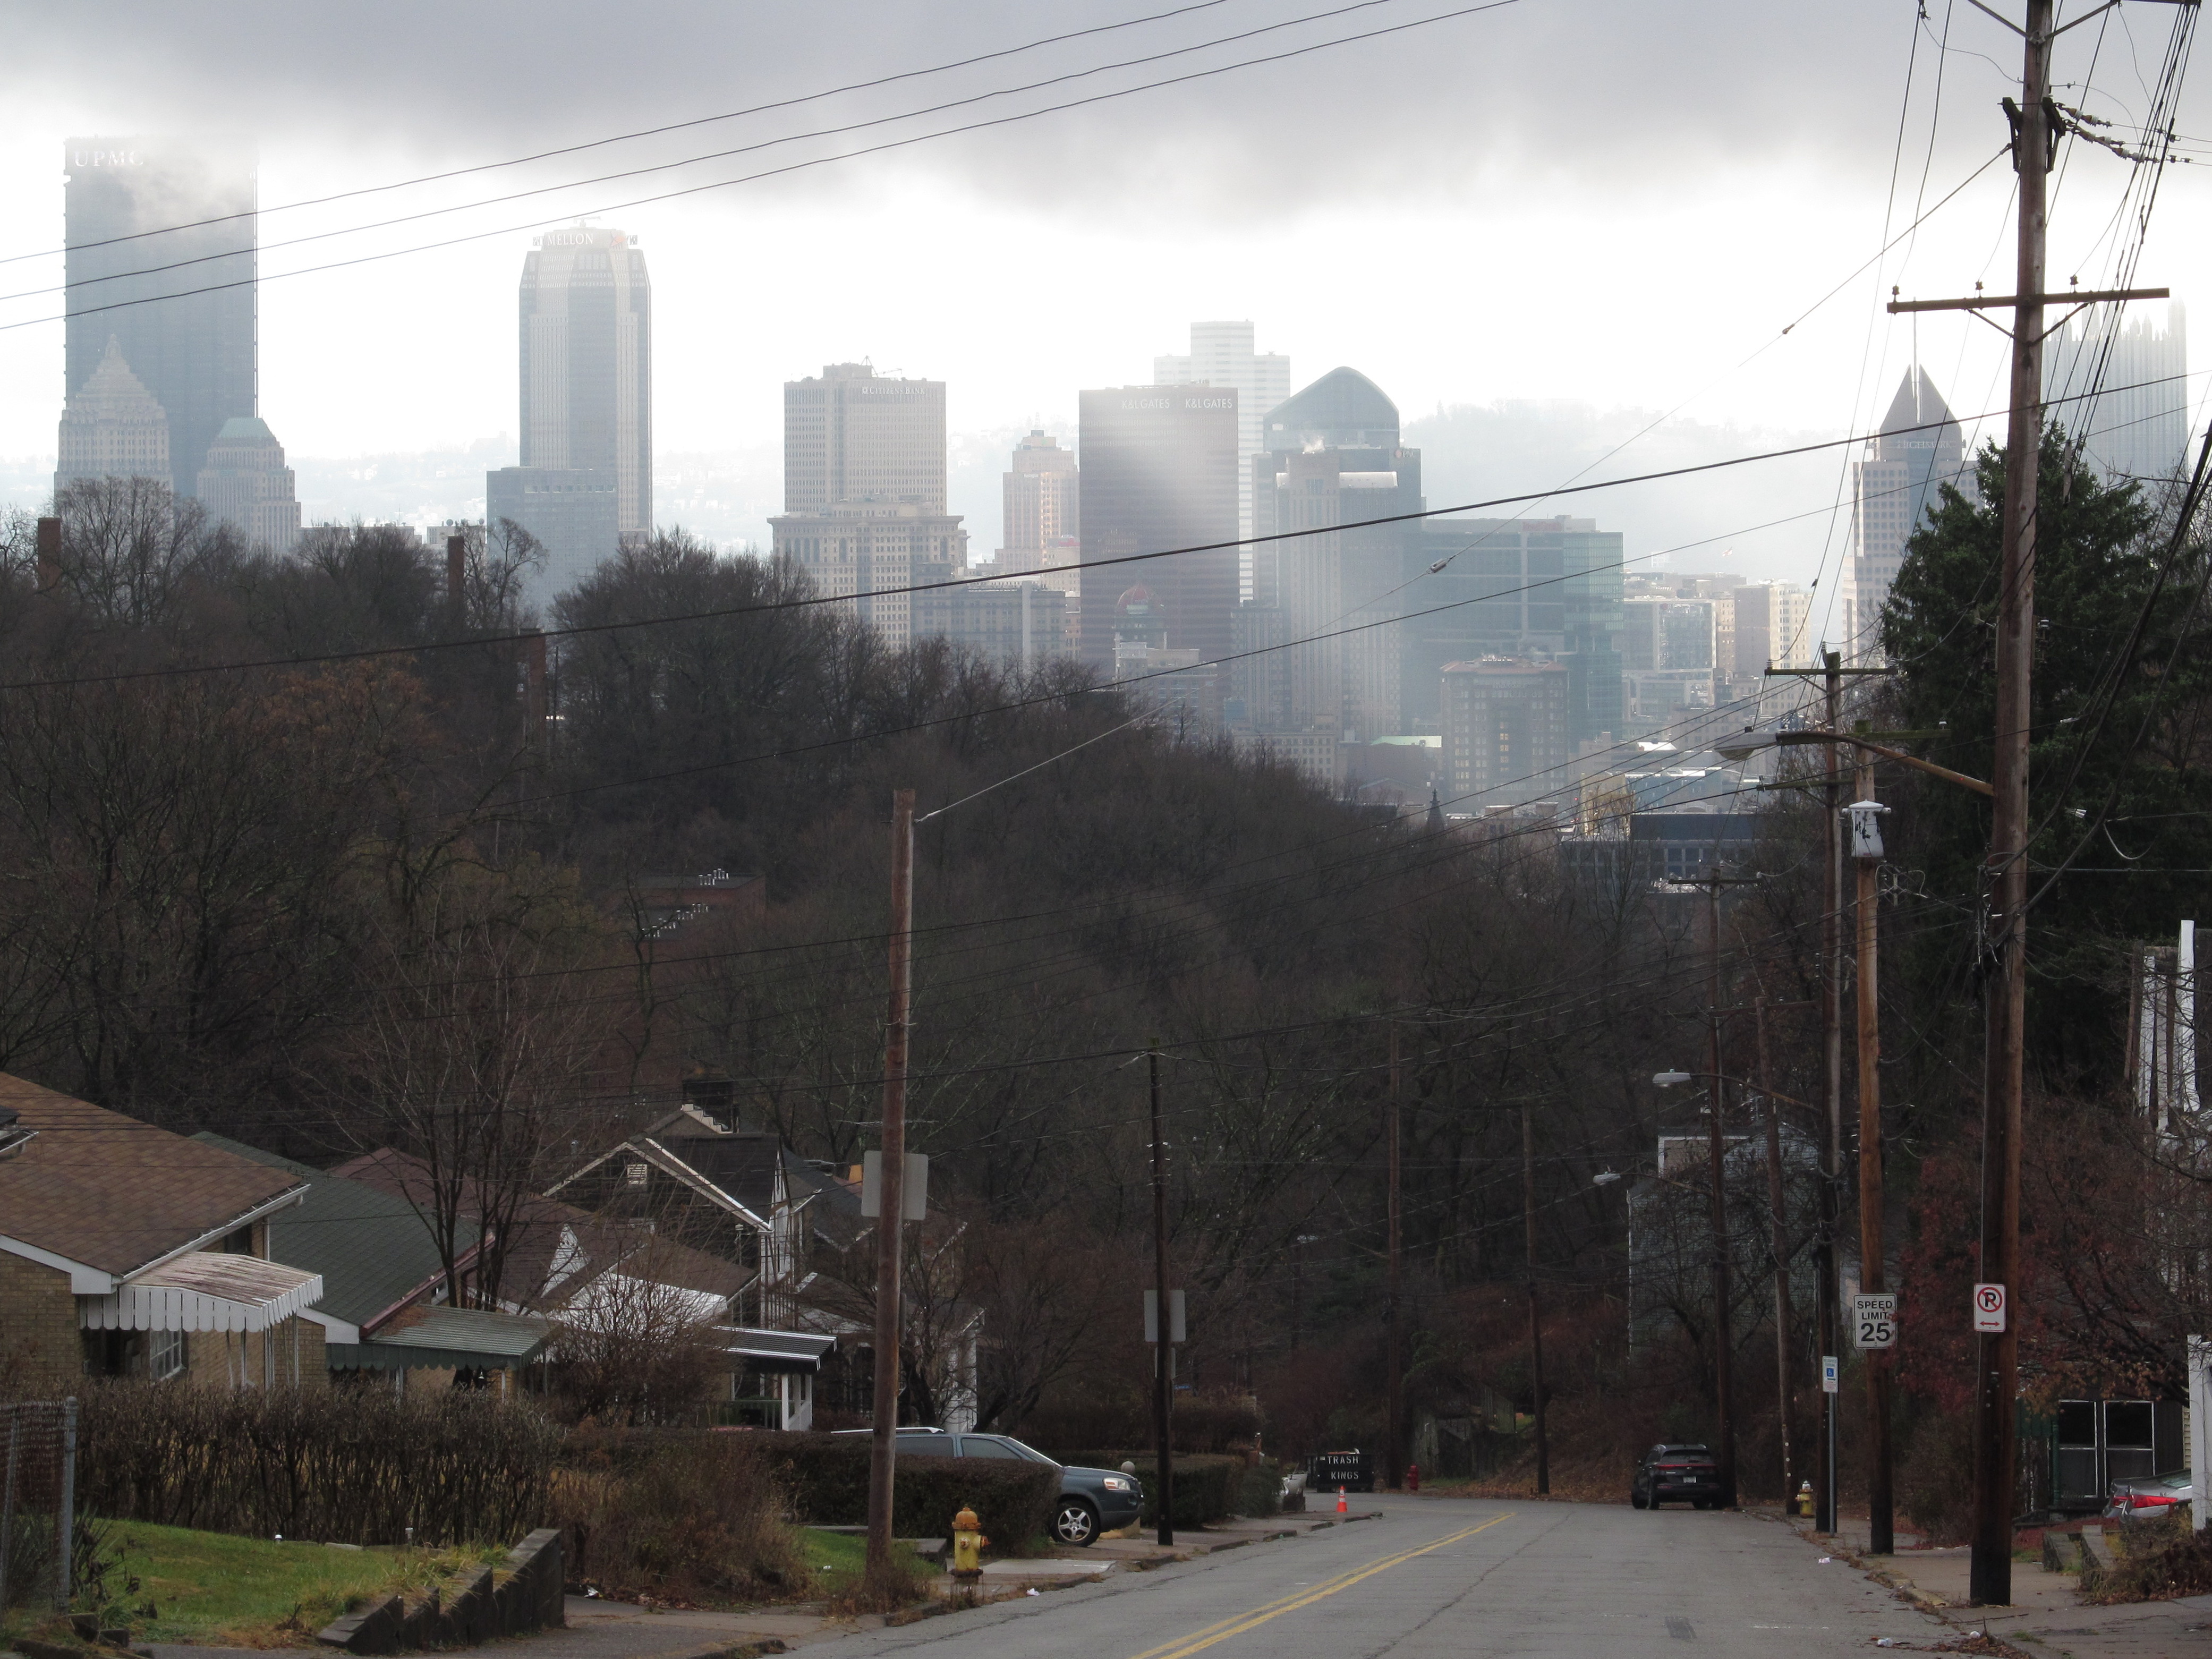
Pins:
x: 1536, y: 1308
x: 1723, y: 1341
x: 1162, y: 1350
x: 2004, y: 991
x: 1779, y: 1220
x: 1881, y: 1511
x: 1394, y: 1452
x: 2037, y: 123
x: 1831, y: 1044
x: 882, y: 1435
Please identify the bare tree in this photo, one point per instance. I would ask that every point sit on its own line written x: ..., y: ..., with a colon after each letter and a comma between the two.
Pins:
x: 477, y: 1043
x: 129, y: 547
x: 633, y: 1348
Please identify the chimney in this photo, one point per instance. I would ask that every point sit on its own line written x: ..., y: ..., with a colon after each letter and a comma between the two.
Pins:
x: 50, y: 555
x: 456, y: 566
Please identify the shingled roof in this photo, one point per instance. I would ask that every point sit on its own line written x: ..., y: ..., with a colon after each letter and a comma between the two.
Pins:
x: 108, y: 1192
x: 372, y: 1247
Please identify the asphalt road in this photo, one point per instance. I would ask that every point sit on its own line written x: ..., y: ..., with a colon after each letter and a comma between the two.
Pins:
x: 1433, y: 1578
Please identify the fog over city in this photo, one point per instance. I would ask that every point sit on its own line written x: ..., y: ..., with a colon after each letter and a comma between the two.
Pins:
x: 824, y: 809
x: 1601, y: 208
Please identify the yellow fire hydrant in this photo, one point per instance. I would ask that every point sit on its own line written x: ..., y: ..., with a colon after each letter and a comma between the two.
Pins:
x: 968, y: 1541
x: 1805, y: 1498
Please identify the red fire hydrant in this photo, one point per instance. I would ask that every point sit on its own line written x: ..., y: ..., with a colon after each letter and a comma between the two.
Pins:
x: 1413, y: 1477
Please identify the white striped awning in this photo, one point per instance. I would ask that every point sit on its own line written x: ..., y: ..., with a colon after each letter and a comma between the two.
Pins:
x: 204, y: 1291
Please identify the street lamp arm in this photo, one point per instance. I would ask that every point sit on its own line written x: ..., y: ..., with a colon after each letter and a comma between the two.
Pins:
x: 1668, y: 1080
x: 1887, y: 753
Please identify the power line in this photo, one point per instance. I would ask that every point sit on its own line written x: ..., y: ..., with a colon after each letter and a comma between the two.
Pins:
x: 773, y: 173
x: 622, y: 137
x: 688, y: 161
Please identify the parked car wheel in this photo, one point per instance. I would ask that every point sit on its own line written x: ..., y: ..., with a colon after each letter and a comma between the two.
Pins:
x: 1635, y: 1500
x: 1075, y: 1522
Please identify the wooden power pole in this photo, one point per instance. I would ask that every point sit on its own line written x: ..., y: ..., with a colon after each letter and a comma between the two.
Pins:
x: 883, y: 1437
x: 1535, y: 1307
x: 1779, y: 1224
x: 1717, y: 1143
x: 1394, y: 1452
x: 1880, y: 1509
x: 2037, y: 123
x: 1164, y: 1324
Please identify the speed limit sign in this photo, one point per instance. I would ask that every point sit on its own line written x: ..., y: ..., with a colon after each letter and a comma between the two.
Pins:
x: 1989, y: 1307
x: 1874, y: 1320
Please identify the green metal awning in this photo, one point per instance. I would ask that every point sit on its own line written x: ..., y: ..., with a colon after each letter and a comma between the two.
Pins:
x: 462, y: 1339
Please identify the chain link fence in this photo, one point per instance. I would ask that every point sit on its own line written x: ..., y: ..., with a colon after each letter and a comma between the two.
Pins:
x: 38, y: 1500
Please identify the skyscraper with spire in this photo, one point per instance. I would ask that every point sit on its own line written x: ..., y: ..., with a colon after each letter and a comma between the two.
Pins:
x: 1892, y: 490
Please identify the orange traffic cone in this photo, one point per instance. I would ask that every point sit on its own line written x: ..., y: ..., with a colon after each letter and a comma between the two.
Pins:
x: 1342, y: 1507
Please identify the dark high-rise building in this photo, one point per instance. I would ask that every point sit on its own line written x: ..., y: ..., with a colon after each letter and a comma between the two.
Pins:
x: 187, y: 330
x: 1544, y: 589
x: 573, y: 512
x: 588, y: 364
x: 1159, y: 472
x: 1331, y: 457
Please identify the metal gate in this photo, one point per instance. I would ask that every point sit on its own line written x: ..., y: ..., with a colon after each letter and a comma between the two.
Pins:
x: 38, y: 1500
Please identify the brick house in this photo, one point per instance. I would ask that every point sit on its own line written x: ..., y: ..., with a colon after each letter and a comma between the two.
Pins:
x: 128, y: 1251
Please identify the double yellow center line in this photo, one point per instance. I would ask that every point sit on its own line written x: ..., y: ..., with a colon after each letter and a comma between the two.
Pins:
x: 1237, y: 1624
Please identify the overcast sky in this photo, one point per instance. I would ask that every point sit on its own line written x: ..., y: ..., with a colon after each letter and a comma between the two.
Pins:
x: 1608, y: 201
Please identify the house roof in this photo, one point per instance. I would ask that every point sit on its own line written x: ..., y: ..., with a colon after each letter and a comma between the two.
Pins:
x: 372, y: 1247
x: 832, y: 1204
x: 557, y: 1249
x: 741, y: 1163
x: 461, y: 1337
x: 588, y: 1250
x: 117, y: 1195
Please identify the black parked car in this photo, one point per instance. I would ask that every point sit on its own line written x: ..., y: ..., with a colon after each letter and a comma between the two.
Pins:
x: 1677, y: 1475
x: 1091, y: 1501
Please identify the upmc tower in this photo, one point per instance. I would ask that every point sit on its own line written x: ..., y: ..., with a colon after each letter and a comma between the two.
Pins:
x: 180, y: 301
x: 1159, y: 472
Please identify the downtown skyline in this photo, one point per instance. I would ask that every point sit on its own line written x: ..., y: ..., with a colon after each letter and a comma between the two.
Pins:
x: 430, y: 365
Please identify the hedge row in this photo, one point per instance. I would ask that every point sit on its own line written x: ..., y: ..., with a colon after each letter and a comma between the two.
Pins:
x: 826, y: 1476
x: 353, y: 1466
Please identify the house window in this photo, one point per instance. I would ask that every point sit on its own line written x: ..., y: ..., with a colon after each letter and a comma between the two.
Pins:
x: 239, y: 1242
x: 634, y: 1175
x: 165, y: 1355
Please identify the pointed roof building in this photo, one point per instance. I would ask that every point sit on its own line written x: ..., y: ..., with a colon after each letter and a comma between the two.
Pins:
x: 246, y: 483
x: 113, y: 427
x: 1343, y: 410
x: 1920, y: 447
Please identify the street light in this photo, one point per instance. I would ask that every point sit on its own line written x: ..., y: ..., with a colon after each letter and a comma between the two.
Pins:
x: 1742, y: 746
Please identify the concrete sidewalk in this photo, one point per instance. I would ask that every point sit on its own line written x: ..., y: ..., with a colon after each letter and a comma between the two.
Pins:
x: 2046, y: 1616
